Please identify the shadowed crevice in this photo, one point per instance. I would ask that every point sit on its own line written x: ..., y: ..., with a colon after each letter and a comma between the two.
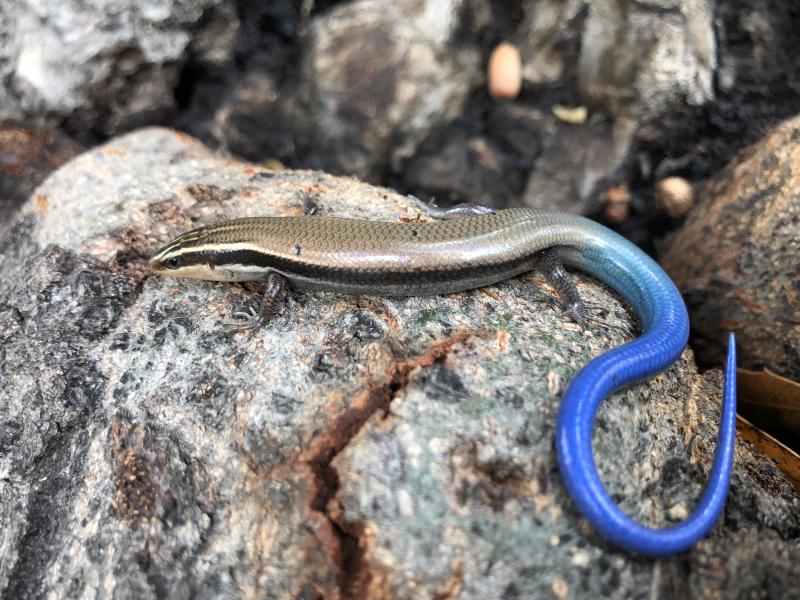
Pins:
x: 353, y: 569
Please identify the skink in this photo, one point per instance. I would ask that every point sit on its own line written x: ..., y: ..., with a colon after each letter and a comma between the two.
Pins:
x: 468, y: 247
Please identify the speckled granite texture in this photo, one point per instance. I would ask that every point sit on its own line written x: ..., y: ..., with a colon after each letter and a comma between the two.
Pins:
x: 355, y: 448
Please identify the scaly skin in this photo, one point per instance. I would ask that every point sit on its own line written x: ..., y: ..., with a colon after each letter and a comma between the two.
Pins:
x: 387, y: 259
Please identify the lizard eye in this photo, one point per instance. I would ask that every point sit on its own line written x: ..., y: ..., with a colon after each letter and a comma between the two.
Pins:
x: 175, y: 262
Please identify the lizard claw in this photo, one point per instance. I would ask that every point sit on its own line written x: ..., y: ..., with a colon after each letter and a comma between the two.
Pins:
x: 582, y: 316
x: 248, y: 318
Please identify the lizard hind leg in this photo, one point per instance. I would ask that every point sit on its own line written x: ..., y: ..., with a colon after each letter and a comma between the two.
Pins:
x: 548, y: 263
x: 550, y: 266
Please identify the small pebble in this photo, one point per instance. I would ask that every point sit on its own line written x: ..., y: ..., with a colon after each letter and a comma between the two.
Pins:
x: 405, y: 504
x: 580, y: 558
x: 574, y: 115
x: 675, y: 196
x: 504, y: 74
x: 617, y: 204
x: 678, y: 512
x: 273, y: 164
x: 560, y: 589
x: 553, y: 383
x: 617, y: 213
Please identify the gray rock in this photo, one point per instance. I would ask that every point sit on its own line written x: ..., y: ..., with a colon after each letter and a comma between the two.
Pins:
x: 637, y: 61
x: 548, y: 38
x: 641, y: 59
x: 105, y: 65
x: 27, y: 155
x: 488, y: 165
x: 355, y: 447
x: 756, y: 51
x: 393, y: 93
x: 735, y: 258
x: 575, y: 160
x: 373, y: 79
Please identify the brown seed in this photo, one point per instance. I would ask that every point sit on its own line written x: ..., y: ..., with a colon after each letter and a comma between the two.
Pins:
x: 504, y: 74
x: 616, y: 213
x: 617, y: 204
x: 675, y: 196
x: 618, y: 194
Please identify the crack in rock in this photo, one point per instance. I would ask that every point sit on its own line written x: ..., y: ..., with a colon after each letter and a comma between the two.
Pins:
x: 354, y: 576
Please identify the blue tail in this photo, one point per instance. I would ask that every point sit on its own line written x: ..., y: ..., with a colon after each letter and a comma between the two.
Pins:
x: 665, y: 322
x: 574, y: 438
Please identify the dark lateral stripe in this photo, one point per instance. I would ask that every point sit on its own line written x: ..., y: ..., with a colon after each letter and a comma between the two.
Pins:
x: 345, y: 275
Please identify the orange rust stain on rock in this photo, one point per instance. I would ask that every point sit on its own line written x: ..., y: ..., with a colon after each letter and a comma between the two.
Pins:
x: 313, y: 535
x: 355, y: 580
x: 42, y: 203
x: 377, y: 395
x: 30, y: 152
x: 170, y: 211
x: 210, y: 193
x: 135, y: 496
x: 112, y: 151
x: 313, y: 188
x: 249, y: 192
x: 455, y: 582
x: 183, y: 137
x: 503, y: 338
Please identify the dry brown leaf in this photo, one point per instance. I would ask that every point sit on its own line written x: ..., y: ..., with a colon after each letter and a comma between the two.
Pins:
x: 787, y: 459
x: 773, y: 399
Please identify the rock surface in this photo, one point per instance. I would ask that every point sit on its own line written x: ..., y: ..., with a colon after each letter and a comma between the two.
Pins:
x: 639, y: 59
x: 27, y: 156
x: 374, y: 77
x: 104, y: 65
x: 736, y: 257
x: 356, y: 447
x: 395, y: 93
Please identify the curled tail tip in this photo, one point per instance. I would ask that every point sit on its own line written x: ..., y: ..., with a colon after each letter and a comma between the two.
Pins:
x: 730, y: 363
x: 586, y: 489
